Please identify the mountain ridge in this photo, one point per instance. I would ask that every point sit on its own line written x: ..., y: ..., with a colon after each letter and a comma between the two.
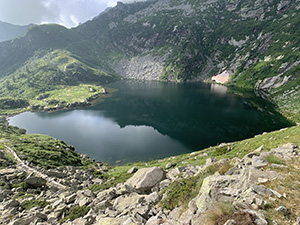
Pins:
x: 10, y: 31
x: 254, y: 42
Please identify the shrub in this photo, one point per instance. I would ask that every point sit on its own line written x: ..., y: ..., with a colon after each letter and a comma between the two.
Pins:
x: 274, y: 159
x: 76, y: 212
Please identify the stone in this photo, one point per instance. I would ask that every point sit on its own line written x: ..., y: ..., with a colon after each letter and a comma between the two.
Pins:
x: 164, y: 184
x: 129, y: 221
x: 12, y: 204
x: 23, y: 221
x: 275, y: 193
x: 83, y: 201
x: 154, y: 220
x: 169, y: 165
x: 210, y: 161
x: 126, y: 203
x: 109, y: 221
x: 102, y: 206
x: 57, y: 174
x: 106, y: 194
x: 140, y: 218
x: 298, y: 220
x: 85, y: 193
x: 262, y: 180
x: 121, y: 189
x: 230, y: 222
x: 282, y: 209
x: 36, y: 182
x: 152, y: 198
x: 259, y: 218
x: 70, y: 199
x: 277, y: 166
x: 145, y: 179
x: 132, y: 170
x: 58, y: 211
x: 1, y: 154
x: 41, y: 216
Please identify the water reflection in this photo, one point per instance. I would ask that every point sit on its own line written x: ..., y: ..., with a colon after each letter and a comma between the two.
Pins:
x: 148, y: 120
x: 218, y: 89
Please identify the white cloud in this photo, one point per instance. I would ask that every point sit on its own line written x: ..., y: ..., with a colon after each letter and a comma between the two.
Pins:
x: 66, y: 12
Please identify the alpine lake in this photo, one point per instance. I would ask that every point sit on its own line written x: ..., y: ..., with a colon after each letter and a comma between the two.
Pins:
x: 147, y: 120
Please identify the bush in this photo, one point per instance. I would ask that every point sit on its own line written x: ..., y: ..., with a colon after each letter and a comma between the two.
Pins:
x: 274, y: 159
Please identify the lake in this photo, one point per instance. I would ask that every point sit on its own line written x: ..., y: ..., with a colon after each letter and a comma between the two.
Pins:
x: 147, y: 120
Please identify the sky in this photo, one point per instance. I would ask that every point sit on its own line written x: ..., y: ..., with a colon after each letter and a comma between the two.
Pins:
x: 65, y: 12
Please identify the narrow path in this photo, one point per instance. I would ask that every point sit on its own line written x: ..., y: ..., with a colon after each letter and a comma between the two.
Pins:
x: 26, y: 168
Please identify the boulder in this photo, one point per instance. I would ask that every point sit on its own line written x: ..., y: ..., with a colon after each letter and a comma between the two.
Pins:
x: 12, y: 204
x: 36, y: 182
x: 109, y: 220
x: 1, y: 155
x: 52, y: 173
x: 128, y: 202
x: 23, y: 220
x: 282, y: 209
x: 132, y: 170
x: 145, y: 179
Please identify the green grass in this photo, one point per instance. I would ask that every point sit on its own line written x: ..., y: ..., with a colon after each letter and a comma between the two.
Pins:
x: 29, y: 204
x: 182, y: 191
x: 219, y: 211
x: 75, y: 212
x: 45, y: 151
x: 274, y: 159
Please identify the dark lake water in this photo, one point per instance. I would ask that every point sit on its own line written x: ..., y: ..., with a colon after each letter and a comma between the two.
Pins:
x: 148, y: 120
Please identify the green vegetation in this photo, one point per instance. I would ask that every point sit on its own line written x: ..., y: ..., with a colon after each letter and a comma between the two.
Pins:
x: 290, y: 186
x: 220, y: 211
x: 183, y: 190
x: 29, y: 204
x: 274, y: 159
x: 40, y: 150
x: 119, y: 175
x: 75, y: 212
x: 46, y: 151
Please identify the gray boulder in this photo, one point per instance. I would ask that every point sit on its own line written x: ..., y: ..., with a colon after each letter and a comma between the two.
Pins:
x: 145, y: 179
x: 1, y: 155
x: 36, y: 182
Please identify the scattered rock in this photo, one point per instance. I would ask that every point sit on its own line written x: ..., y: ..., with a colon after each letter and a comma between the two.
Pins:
x: 169, y: 165
x: 282, y: 209
x: 36, y: 182
x: 145, y: 179
x: 132, y: 170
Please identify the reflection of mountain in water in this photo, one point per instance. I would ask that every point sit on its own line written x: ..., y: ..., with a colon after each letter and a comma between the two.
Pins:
x: 196, y: 114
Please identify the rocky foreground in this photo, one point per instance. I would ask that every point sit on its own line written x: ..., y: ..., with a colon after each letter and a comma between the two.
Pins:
x: 241, y: 194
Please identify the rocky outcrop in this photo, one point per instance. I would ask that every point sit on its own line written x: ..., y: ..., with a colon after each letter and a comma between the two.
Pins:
x: 145, y: 179
x: 35, y: 181
x: 222, y: 78
x: 141, y: 67
x: 136, y: 200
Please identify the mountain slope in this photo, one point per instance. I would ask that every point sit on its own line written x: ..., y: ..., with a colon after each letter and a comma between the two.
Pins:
x: 9, y: 31
x: 256, y: 43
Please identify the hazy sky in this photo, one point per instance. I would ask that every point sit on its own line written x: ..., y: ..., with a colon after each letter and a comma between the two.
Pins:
x: 65, y: 12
